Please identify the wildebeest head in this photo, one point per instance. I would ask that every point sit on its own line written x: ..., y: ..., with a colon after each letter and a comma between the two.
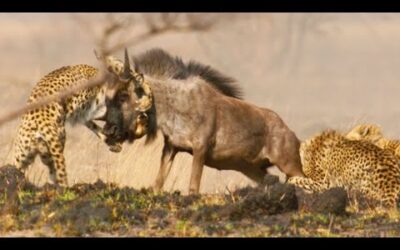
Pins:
x: 128, y: 99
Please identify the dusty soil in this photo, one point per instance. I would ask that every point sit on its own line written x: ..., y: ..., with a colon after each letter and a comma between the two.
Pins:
x: 103, y: 209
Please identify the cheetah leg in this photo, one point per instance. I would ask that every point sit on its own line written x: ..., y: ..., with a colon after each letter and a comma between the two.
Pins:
x: 307, y: 184
x: 389, y: 200
x: 48, y: 161
x: 46, y: 158
x: 52, y: 155
x: 23, y: 159
x: 56, y: 152
x: 390, y: 203
x: 24, y: 155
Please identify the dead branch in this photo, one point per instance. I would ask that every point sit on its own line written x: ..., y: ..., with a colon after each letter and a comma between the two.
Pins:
x: 150, y: 34
x: 98, y: 80
x: 169, y: 23
x: 166, y: 22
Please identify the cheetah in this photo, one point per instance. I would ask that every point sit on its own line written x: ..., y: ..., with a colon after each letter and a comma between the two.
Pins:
x: 372, y: 133
x: 42, y: 130
x: 331, y: 160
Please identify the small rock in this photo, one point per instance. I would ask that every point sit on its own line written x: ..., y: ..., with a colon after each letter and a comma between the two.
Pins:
x: 158, y: 213
x: 270, y: 180
x: 273, y: 199
x: 185, y: 201
x: 242, y: 192
x: 11, y: 181
x: 332, y: 201
x: 10, y: 176
x: 99, y: 184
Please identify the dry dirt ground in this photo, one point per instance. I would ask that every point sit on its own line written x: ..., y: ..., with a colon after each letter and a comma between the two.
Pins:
x: 315, y: 70
x: 101, y: 209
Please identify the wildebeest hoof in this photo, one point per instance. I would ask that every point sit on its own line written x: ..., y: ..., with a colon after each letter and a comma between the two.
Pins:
x: 193, y: 192
x: 156, y: 188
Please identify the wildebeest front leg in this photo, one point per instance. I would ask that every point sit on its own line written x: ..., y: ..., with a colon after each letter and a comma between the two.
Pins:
x: 167, y: 158
x: 197, y: 170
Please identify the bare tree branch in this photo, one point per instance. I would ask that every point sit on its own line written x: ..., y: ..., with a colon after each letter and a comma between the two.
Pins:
x: 150, y: 34
x: 98, y: 80
x: 155, y: 25
x: 168, y: 23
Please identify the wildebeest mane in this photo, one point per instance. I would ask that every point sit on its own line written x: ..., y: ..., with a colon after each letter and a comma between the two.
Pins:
x: 159, y: 63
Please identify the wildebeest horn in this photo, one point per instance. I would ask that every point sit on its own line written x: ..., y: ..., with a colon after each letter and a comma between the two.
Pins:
x: 127, y: 67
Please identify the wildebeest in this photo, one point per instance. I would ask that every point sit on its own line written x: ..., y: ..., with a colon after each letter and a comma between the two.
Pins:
x: 198, y: 111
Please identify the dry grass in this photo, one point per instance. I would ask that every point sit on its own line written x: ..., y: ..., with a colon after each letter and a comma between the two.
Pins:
x: 102, y: 209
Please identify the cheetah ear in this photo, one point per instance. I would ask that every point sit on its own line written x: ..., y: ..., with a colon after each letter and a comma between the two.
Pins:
x: 365, y: 131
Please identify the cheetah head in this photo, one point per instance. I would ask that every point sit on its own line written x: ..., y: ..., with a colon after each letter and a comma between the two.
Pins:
x: 321, y: 143
x: 368, y: 132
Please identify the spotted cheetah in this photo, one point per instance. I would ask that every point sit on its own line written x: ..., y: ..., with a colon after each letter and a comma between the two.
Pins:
x: 372, y: 133
x: 331, y: 160
x: 42, y: 130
